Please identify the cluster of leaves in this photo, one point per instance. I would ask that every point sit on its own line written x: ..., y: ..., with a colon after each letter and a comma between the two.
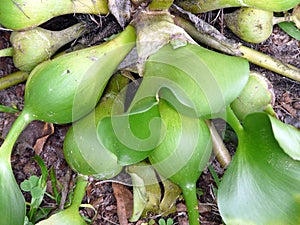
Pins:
x: 167, y: 123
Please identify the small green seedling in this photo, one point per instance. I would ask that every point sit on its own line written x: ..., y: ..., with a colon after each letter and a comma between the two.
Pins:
x: 162, y: 221
x: 8, y: 109
x: 54, y: 183
x: 199, y: 192
x: 37, y: 188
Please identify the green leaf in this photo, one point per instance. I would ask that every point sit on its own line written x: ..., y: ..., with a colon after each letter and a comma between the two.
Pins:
x: 197, y: 81
x: 8, y: 109
x: 12, y: 204
x: 83, y: 150
x: 37, y: 192
x: 161, y: 221
x: 183, y: 154
x: 131, y: 136
x: 290, y: 29
x: 261, y: 185
x: 26, y: 185
x: 68, y: 216
x: 44, y: 176
x: 71, y: 215
x: 287, y: 136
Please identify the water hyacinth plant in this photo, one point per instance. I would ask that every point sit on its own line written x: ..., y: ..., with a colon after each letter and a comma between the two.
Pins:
x: 161, y: 133
x: 250, y: 24
x: 82, y: 146
x: 200, y: 6
x: 34, y: 46
x: 22, y: 15
x: 70, y: 216
x: 65, y: 78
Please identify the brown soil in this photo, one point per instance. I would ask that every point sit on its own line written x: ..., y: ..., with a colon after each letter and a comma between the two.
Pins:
x: 100, y: 194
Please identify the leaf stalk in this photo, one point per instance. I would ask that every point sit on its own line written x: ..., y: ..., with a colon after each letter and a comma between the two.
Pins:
x: 13, y: 79
x: 7, y: 52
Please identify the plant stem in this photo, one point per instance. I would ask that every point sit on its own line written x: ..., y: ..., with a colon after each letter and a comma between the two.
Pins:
x: 219, y: 149
x: 233, y: 121
x: 13, y: 79
x: 6, y: 52
x: 60, y: 38
x: 277, y: 20
x: 191, y: 201
x: 236, y: 49
x: 18, y: 126
x: 79, y: 191
x: 270, y: 63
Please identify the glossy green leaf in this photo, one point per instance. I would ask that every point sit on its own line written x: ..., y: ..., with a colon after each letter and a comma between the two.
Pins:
x: 183, y: 154
x: 12, y: 204
x: 83, y: 151
x: 290, y: 29
x: 131, y: 136
x: 261, y: 185
x: 66, y: 217
x: 199, y: 82
x: 287, y: 136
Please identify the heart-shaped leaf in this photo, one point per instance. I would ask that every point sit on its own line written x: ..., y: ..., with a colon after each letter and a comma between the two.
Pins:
x: 261, y: 185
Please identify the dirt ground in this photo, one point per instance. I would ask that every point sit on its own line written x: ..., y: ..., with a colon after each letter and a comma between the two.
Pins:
x: 101, y: 194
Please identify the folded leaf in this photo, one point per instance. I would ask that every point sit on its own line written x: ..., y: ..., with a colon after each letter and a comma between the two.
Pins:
x: 131, y: 136
x: 287, y: 136
x: 261, y: 185
x: 197, y: 81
